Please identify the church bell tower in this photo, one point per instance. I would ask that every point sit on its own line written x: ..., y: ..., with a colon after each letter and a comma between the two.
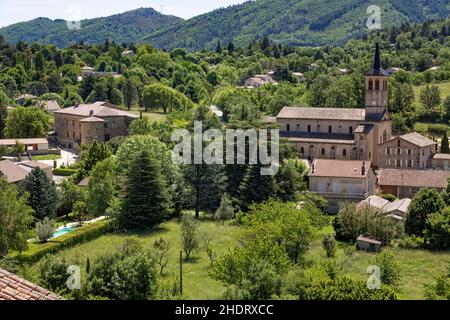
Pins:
x: 376, y: 89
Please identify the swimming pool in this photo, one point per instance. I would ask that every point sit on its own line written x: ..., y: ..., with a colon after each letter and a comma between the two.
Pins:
x: 63, y: 231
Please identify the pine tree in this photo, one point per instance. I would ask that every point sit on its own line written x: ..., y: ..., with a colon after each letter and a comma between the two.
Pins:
x: 219, y: 47
x: 226, y: 210
x: 444, y: 145
x: 256, y: 188
x: 43, y: 194
x: 148, y: 198
x: 231, y: 47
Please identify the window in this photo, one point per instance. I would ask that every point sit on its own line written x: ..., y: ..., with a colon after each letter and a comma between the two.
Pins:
x: 106, y: 124
x: 370, y: 84
x: 409, y: 163
x: 344, y: 153
x: 309, y: 128
x: 388, y: 150
x: 73, y: 134
x: 67, y: 122
x: 398, y: 143
x: 398, y: 163
x: 330, y: 129
x: 409, y: 152
x: 73, y: 123
x: 67, y: 134
x: 323, y: 151
x: 288, y: 127
x: 350, y: 130
x: 298, y: 127
x: 302, y: 151
x: 377, y: 84
x: 399, y: 151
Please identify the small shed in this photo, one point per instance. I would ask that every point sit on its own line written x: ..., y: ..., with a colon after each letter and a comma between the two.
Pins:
x: 368, y: 243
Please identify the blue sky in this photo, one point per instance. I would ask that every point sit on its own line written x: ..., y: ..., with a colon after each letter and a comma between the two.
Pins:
x: 12, y: 11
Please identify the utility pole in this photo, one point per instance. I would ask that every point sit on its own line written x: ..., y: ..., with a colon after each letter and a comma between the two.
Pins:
x: 181, y: 272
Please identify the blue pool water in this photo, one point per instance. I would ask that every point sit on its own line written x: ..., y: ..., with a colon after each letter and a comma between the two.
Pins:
x: 61, y: 232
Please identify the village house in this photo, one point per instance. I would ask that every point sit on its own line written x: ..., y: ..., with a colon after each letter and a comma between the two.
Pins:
x: 12, y: 172
x: 411, y: 151
x: 82, y: 124
x: 341, y: 180
x: 33, y: 146
x: 50, y: 106
x: 406, y: 183
x: 440, y: 161
x: 343, y: 133
x: 31, y: 165
x: 368, y: 243
x: 397, y: 209
x: 24, y: 97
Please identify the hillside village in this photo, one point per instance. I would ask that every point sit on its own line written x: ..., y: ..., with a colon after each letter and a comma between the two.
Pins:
x: 87, y: 172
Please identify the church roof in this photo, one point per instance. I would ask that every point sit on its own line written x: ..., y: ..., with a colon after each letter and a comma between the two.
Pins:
x: 364, y: 128
x: 322, y: 113
x: 417, y: 139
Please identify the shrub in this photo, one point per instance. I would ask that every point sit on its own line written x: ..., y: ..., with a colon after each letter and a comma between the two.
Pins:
x: 65, y: 172
x: 53, y: 273
x: 411, y: 242
x: 390, y: 270
x: 329, y: 244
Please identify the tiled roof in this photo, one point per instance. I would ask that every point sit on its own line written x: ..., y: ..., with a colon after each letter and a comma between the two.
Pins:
x: 441, y: 156
x: 318, y: 137
x: 35, y: 164
x: 398, y: 205
x: 339, y: 168
x: 417, y: 139
x: 92, y: 119
x: 369, y: 239
x: 12, y: 172
x: 364, y: 128
x: 14, y: 288
x: 12, y: 142
x: 52, y: 105
x: 99, y: 109
x: 413, y: 178
x: 322, y: 113
x: 374, y: 202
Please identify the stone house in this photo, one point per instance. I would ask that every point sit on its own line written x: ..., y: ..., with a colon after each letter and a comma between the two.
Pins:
x: 411, y: 151
x: 81, y: 125
x: 368, y: 243
x: 406, y: 183
x: 440, y: 161
x: 341, y: 180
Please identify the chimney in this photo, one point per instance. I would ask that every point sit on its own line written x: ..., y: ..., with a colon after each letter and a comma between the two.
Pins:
x: 91, y: 113
x: 363, y: 169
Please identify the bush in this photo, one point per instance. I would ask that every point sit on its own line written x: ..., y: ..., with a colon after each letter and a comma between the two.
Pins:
x: 411, y: 242
x: 329, y: 244
x: 65, y: 172
x: 390, y: 270
x: 53, y: 273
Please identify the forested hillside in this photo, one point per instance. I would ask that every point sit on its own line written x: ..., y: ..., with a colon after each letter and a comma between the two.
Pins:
x: 293, y: 22
x: 126, y: 27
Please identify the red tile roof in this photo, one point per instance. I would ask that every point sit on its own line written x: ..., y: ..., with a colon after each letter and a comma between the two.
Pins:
x: 322, y: 113
x: 339, y: 168
x: 414, y: 178
x: 14, y: 288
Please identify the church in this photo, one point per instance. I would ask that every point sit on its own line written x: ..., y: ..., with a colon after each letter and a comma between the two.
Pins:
x: 343, y: 133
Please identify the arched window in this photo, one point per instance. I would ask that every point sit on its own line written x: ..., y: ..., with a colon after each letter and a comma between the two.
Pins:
x: 309, y: 128
x: 370, y: 84
x: 330, y: 129
x: 323, y: 151
x: 350, y: 130
x: 377, y: 84
x: 302, y: 151
x: 288, y: 127
x: 344, y: 152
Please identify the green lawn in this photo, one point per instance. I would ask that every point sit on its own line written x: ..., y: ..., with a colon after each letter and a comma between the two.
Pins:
x: 46, y: 157
x: 196, y: 285
x: 153, y: 116
x: 417, y: 266
x: 443, y: 87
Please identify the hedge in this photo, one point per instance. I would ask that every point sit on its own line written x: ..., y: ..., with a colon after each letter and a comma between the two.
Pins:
x: 66, y: 172
x: 80, y: 235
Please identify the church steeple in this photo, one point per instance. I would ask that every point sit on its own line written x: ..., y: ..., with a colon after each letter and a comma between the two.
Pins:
x: 377, y: 60
x: 376, y: 89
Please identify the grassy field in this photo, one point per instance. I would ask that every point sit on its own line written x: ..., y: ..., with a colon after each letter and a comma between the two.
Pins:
x: 46, y: 157
x: 153, y: 116
x: 197, y: 284
x: 443, y: 87
x: 418, y: 267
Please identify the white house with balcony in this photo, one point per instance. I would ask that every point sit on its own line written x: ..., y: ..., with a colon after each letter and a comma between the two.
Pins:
x: 341, y: 180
